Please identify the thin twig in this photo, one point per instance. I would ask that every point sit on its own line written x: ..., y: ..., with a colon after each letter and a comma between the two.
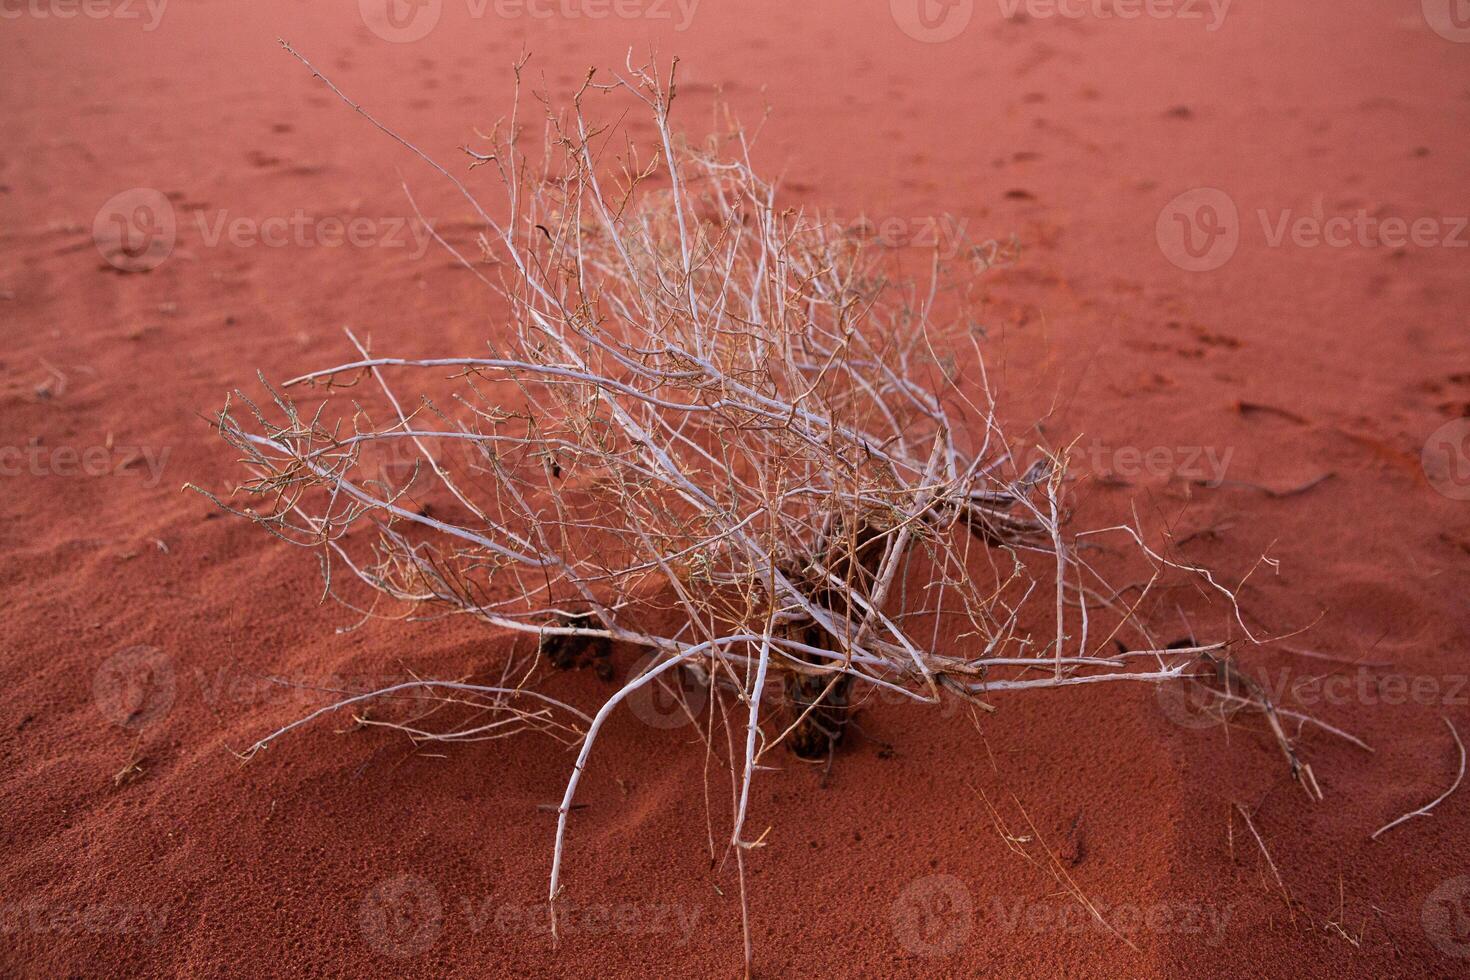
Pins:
x: 1424, y: 811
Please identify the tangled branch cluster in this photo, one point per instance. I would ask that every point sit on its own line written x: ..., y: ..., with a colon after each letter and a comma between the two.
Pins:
x: 712, y: 429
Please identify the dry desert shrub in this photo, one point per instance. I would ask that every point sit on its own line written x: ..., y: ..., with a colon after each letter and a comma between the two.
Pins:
x: 711, y: 429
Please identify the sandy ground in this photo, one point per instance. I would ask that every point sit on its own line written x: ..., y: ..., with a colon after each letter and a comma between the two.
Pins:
x: 1243, y: 256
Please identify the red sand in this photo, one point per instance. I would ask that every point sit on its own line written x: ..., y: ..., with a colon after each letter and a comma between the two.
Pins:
x: 1074, y: 134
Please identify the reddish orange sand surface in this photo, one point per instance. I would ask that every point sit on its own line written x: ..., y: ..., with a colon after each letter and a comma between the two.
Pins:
x: 1242, y: 255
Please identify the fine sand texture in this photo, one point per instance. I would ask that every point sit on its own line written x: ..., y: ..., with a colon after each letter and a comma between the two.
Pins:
x: 1241, y: 285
